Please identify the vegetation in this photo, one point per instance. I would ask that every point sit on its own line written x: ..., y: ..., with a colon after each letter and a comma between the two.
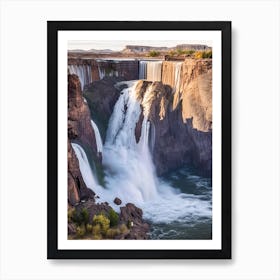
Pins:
x: 102, y: 226
x: 80, y: 217
x: 153, y: 53
x: 203, y: 54
x: 192, y: 53
x: 102, y: 221
x: 113, y: 217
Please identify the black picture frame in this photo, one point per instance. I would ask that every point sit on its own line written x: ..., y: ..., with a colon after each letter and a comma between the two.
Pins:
x: 53, y: 27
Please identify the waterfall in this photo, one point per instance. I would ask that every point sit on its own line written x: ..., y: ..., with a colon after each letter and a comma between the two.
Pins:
x: 85, y: 168
x: 150, y: 70
x: 130, y: 171
x: 98, y: 139
x: 83, y: 72
x: 142, y: 70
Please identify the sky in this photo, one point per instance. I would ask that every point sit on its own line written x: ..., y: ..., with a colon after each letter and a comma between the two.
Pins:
x: 120, y: 45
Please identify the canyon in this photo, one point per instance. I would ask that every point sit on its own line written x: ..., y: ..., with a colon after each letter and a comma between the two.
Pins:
x: 119, y: 106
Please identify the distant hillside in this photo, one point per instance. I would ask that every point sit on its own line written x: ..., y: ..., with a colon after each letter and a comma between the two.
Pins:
x: 139, y: 49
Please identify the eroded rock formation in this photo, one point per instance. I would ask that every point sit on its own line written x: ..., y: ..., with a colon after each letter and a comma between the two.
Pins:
x: 80, y: 131
x: 183, y: 132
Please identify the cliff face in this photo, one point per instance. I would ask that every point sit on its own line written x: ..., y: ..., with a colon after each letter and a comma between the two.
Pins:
x: 79, y: 130
x: 101, y: 97
x: 182, y: 119
x: 196, y: 94
x: 97, y: 69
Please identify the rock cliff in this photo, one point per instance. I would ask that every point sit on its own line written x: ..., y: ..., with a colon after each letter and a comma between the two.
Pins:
x: 80, y: 131
x: 182, y: 120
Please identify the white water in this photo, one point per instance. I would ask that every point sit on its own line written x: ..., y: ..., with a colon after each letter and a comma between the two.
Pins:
x: 130, y: 172
x: 85, y: 168
x: 83, y: 72
x: 128, y: 165
x: 150, y: 70
x: 98, y: 139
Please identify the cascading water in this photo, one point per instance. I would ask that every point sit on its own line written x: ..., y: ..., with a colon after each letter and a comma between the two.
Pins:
x: 85, y: 168
x: 128, y: 166
x: 98, y: 139
x: 150, y: 70
x: 83, y: 72
x: 130, y: 173
x: 143, y: 70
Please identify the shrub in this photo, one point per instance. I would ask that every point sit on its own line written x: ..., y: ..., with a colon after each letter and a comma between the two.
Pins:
x: 190, y: 52
x: 123, y: 228
x: 112, y: 232
x: 89, y: 228
x: 113, y: 217
x: 172, y: 53
x: 81, y: 230
x: 96, y: 230
x: 203, y: 54
x: 102, y: 221
x: 71, y: 212
x: 153, y: 53
x: 180, y: 51
x: 81, y: 217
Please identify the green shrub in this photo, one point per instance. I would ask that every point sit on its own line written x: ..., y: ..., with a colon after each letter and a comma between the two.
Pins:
x: 189, y: 52
x: 180, y: 51
x: 113, y: 217
x: 81, y: 230
x: 153, y: 53
x: 81, y: 217
x: 102, y: 221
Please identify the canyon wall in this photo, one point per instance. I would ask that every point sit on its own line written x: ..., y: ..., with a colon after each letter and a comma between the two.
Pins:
x: 80, y: 131
x: 90, y: 70
x: 177, y: 141
x: 180, y: 107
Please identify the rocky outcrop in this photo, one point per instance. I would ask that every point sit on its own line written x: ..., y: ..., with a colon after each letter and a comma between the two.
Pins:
x: 79, y: 126
x: 183, y: 133
x: 130, y: 216
x: 101, y: 97
x: 196, y: 93
x: 79, y: 130
x: 133, y: 216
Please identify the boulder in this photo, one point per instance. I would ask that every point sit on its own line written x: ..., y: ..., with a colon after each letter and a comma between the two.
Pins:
x: 117, y: 201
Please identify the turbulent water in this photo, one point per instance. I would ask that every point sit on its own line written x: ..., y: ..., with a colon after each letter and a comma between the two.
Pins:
x: 178, y: 205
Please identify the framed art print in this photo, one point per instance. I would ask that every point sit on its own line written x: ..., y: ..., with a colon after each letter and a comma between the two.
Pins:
x: 139, y: 140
